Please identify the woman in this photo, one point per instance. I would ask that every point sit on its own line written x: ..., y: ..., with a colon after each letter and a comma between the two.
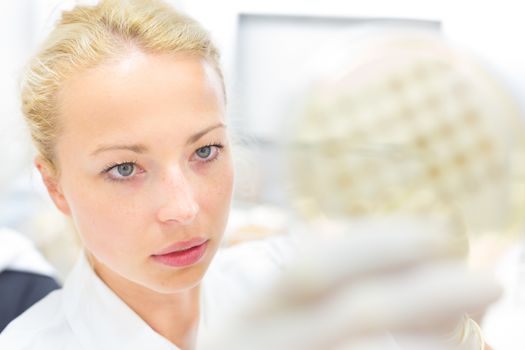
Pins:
x: 100, y: 154
x: 126, y: 105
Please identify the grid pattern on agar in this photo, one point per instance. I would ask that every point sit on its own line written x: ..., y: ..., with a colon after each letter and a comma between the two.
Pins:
x: 424, y: 129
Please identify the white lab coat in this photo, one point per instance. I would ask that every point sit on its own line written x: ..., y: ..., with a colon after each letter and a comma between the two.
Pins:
x: 87, y: 315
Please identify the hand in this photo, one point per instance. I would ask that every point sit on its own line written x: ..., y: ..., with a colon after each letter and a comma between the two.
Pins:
x: 349, y: 287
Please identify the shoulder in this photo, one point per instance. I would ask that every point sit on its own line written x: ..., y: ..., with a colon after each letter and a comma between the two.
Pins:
x: 20, y: 290
x: 43, y: 326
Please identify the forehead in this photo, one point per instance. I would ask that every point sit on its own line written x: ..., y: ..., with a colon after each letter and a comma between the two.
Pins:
x: 141, y: 93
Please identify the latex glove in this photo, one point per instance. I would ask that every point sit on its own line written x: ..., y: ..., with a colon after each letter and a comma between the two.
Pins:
x: 466, y: 336
x: 351, y: 286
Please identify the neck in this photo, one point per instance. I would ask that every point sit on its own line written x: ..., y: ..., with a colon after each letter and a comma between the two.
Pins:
x: 175, y: 316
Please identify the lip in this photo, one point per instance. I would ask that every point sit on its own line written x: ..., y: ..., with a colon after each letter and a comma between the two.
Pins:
x: 183, y: 253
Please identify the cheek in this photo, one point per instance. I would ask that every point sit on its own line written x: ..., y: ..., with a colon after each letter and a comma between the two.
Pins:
x: 104, y: 223
x: 215, y: 196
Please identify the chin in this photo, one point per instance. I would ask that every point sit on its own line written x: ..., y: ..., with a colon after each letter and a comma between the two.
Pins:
x: 180, y: 280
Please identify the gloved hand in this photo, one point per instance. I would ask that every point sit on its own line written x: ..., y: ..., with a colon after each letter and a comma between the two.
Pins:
x: 351, y: 286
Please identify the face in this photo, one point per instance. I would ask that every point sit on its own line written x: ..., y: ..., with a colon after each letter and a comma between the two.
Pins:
x: 145, y: 169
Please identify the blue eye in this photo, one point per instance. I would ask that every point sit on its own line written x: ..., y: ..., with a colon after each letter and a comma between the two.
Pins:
x: 204, y: 152
x: 208, y: 153
x: 125, y: 169
x: 121, y: 172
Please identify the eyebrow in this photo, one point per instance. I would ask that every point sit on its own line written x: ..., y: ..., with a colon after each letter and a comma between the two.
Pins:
x: 139, y: 148
x: 195, y: 137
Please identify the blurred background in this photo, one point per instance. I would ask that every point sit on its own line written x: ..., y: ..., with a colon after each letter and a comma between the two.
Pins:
x: 277, y: 56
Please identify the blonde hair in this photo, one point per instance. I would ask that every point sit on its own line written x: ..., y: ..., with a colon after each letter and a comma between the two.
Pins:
x: 88, y: 35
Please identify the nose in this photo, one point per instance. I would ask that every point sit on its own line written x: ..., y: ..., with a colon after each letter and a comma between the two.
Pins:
x: 178, y: 199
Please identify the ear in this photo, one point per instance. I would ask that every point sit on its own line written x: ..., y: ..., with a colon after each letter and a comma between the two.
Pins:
x: 51, y: 182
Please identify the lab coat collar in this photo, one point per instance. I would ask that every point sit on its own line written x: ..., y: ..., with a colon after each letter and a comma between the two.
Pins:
x: 100, y: 319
